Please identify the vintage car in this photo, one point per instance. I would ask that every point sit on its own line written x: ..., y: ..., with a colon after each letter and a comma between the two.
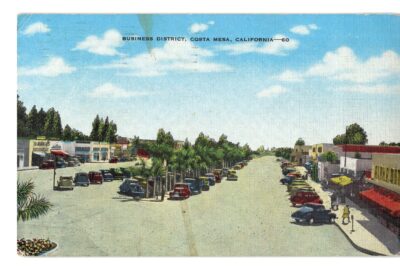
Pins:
x: 287, y: 180
x: 95, y: 177
x: 132, y: 187
x: 195, y: 185
x: 288, y: 170
x: 232, y: 176
x: 224, y: 172
x: 48, y: 164
x: 237, y: 167
x: 211, y: 178
x: 296, y: 184
x: 298, y: 189
x: 60, y: 163
x: 107, y: 175
x: 303, y: 197
x: 205, y: 183
x: 218, y: 175
x: 117, y: 173
x: 313, y: 213
x: 65, y: 182
x: 113, y: 160
x: 81, y: 179
x: 181, y: 191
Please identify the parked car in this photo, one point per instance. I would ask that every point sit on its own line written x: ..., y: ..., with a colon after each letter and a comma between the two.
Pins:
x: 48, y: 164
x: 205, y: 184
x: 287, y: 180
x: 73, y: 162
x: 224, y: 172
x: 303, y: 197
x: 117, y: 173
x: 299, y: 189
x: 195, y: 185
x: 313, y: 213
x: 132, y: 187
x: 181, y: 191
x: 81, y: 179
x: 287, y: 170
x: 296, y: 184
x: 113, y: 160
x: 61, y: 163
x: 95, y: 177
x: 232, y: 176
x: 218, y: 175
x: 211, y: 179
x: 237, y: 167
x: 107, y: 175
x: 65, y: 182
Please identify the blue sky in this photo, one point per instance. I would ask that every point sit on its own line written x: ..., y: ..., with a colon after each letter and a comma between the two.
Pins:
x: 334, y: 71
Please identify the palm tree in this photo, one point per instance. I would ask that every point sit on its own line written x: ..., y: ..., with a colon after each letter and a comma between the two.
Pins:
x: 30, y: 205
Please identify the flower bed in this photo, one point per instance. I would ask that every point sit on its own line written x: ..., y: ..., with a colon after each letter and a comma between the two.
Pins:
x: 34, y: 247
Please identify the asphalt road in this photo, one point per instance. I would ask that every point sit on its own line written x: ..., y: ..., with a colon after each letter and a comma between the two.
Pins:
x: 250, y: 217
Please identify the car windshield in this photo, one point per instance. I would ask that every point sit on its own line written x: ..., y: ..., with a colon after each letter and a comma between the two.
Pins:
x: 82, y: 178
x: 305, y: 209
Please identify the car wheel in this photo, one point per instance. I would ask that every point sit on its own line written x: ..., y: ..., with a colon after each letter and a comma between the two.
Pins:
x: 311, y: 221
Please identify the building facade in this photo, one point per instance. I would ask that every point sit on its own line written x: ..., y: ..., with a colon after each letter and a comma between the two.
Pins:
x: 100, y: 151
x: 22, y: 153
x: 300, y: 154
x: 386, y: 171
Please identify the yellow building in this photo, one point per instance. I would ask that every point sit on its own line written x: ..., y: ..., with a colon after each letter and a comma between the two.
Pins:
x: 38, y: 150
x: 386, y: 171
x: 100, y: 151
x: 317, y: 150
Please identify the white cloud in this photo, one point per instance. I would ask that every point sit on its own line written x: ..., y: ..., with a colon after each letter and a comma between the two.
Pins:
x: 277, y: 47
x: 271, y: 91
x: 54, y: 67
x: 174, y: 56
x: 109, y: 90
x: 289, y: 76
x: 343, y: 65
x: 35, y: 28
x: 200, y: 27
x: 106, y: 45
x: 371, y: 89
x: 303, y: 29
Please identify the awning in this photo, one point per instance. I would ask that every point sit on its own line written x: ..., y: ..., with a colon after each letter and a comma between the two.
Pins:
x: 386, y: 199
x: 60, y: 153
x: 342, y: 180
x: 41, y: 154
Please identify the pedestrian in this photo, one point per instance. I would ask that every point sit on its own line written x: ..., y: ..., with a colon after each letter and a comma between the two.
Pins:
x: 162, y: 192
x: 346, y: 214
x: 334, y: 205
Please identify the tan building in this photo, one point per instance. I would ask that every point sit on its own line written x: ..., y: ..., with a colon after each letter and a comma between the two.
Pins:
x: 300, y: 153
x: 317, y: 150
x: 100, y: 151
x: 386, y: 171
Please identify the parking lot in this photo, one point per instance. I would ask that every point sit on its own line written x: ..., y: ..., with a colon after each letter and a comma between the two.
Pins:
x: 250, y: 217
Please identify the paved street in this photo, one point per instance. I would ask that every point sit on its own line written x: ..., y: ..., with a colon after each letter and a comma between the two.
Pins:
x: 250, y: 217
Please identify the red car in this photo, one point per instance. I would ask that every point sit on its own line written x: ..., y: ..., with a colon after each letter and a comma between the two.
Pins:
x: 217, y: 176
x: 303, y: 197
x: 113, y: 160
x: 95, y: 178
x: 181, y: 191
x: 48, y: 164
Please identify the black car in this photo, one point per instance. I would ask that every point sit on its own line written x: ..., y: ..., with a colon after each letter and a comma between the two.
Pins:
x: 117, y: 173
x: 107, y: 175
x: 287, y: 180
x: 313, y: 213
x: 81, y: 179
x: 195, y: 185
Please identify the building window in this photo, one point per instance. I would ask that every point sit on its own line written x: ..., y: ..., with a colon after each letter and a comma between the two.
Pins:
x: 96, y: 156
x: 320, y: 149
x: 313, y: 149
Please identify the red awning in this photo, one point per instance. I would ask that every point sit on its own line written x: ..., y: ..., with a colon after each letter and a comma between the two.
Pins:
x: 384, y: 198
x: 60, y: 153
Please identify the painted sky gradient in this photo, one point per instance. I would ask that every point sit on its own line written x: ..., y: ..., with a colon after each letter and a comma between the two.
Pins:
x: 336, y: 70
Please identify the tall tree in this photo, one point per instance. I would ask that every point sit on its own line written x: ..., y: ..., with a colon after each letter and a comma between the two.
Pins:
x: 94, y: 134
x: 32, y: 122
x: 22, y: 130
x: 111, y: 135
x: 41, y: 120
x: 354, y: 134
x: 57, y: 125
x: 49, y: 123
x: 104, y: 126
x: 67, y: 134
x: 100, y: 130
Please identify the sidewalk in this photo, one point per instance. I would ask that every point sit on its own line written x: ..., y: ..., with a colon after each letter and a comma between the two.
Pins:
x: 369, y: 235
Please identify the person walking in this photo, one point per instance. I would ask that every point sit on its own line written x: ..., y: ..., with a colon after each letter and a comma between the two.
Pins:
x: 346, y: 214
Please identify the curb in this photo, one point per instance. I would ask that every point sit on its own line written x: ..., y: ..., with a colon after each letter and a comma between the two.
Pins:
x: 361, y: 249
x: 49, y: 251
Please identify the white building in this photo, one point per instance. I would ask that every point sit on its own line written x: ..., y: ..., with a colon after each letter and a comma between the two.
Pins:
x: 354, y: 167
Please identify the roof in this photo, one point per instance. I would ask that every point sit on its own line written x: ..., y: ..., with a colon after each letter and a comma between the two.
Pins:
x: 384, y: 198
x: 60, y: 153
x: 370, y: 148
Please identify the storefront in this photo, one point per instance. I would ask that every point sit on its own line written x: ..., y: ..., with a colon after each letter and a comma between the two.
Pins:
x: 100, y: 151
x: 82, y: 151
x: 22, y: 153
x: 39, y: 151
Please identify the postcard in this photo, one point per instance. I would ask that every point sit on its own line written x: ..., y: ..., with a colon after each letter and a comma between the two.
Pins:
x: 208, y: 135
